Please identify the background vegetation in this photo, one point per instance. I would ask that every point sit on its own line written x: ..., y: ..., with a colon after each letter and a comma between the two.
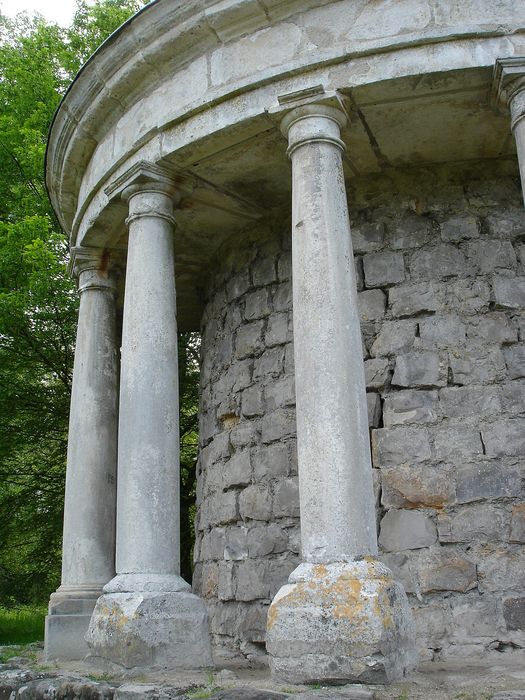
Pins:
x: 38, y: 306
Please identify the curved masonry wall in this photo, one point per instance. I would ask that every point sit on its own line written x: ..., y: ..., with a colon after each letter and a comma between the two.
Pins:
x: 442, y: 293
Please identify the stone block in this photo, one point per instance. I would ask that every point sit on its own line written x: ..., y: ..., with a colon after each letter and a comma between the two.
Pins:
x: 409, y: 406
x: 409, y: 300
x: 383, y: 269
x: 506, y: 223
x: 373, y: 405
x: 415, y: 486
x: 482, y: 480
x: 500, y: 569
x: 255, y: 502
x: 248, y: 340
x: 284, y: 267
x: 212, y: 545
x: 371, y: 304
x: 517, y: 523
x: 477, y: 364
x: 289, y: 359
x: 419, y: 369
x: 226, y: 587
x: 513, y: 397
x: 208, y: 586
x: 442, y: 332
x: 217, y: 450
x: 394, y: 446
x: 277, y: 332
x: 515, y: 360
x: 484, y: 522
x: 280, y: 393
x: 446, y: 571
x: 252, y: 401
x: 282, y: 297
x: 514, y: 613
x: 377, y: 372
x: 468, y: 296
x: 238, y: 285
x: 400, y: 564
x: 406, y: 529
x: 509, y: 292
x: 220, y: 509
x: 235, y: 543
x: 504, y: 438
x: 474, y: 619
x: 440, y: 262
x: 359, y: 274
x: 286, y: 498
x: 453, y: 442
x: 486, y: 255
x: 368, y: 237
x: 264, y: 272
x: 269, y: 364
x: 492, y: 328
x: 394, y: 337
x: 411, y: 232
x: 458, y: 228
x: 244, y: 434
x: 461, y: 402
x: 257, y: 305
x: 271, y: 461
x: 266, y: 539
x: 433, y: 623
x: 252, y: 627
x: 237, y: 471
x: 278, y: 425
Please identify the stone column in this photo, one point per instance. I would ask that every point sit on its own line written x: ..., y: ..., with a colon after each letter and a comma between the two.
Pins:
x: 88, y: 561
x: 341, y: 617
x: 148, y: 616
x: 509, y: 91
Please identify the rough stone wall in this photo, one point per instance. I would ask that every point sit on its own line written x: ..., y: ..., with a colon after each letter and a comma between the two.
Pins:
x: 442, y: 298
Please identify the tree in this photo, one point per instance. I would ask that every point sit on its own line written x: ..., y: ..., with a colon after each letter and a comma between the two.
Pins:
x: 38, y: 305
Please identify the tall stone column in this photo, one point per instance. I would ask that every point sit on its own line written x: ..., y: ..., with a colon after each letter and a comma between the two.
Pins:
x: 88, y: 560
x: 148, y: 615
x: 341, y: 617
x: 509, y: 91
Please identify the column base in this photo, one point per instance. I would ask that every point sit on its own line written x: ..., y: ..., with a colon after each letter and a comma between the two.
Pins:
x: 70, y: 610
x: 162, y: 629
x: 344, y: 622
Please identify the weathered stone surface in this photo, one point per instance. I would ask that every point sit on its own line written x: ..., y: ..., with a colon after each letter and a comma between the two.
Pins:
x: 517, y: 523
x: 377, y: 372
x: 373, y: 404
x: 487, y: 480
x: 348, y: 693
x: 160, y: 630
x: 238, y: 470
x: 457, y: 442
x: 372, y: 304
x: 286, y: 498
x: 367, y: 237
x: 460, y: 402
x: 257, y: 305
x: 484, y: 522
x: 278, y: 330
x: 500, y: 569
x: 271, y: 461
x: 487, y: 255
x: 514, y: 613
x: 447, y: 572
x: 394, y: 337
x: 371, y: 635
x: 406, y: 529
x: 255, y: 503
x: 411, y: 232
x: 383, y: 269
x: 509, y: 292
x: 419, y: 369
x: 477, y: 364
x: 415, y: 486
x: 442, y: 261
x: 394, y: 446
x: 410, y: 406
x: 280, y: 393
x: 278, y: 424
x: 442, y: 332
x: 458, y: 228
x: 492, y: 328
x: 248, y: 340
x: 515, y: 359
x: 504, y: 438
x: 409, y: 300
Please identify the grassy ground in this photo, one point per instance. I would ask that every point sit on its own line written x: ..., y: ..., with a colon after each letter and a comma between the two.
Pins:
x: 21, y: 625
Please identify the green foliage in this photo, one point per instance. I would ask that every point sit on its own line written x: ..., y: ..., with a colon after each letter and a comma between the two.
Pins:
x: 38, y: 303
x: 18, y: 626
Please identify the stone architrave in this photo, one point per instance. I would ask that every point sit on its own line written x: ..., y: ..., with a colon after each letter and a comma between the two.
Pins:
x: 341, y: 617
x: 88, y: 561
x: 148, y: 616
x: 509, y: 91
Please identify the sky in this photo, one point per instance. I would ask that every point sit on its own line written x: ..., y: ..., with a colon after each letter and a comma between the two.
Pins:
x: 60, y: 11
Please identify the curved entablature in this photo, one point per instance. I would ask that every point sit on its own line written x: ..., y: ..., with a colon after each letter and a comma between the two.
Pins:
x: 192, y: 86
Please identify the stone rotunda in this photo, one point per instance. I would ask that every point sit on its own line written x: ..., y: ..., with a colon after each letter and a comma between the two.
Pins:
x: 329, y: 191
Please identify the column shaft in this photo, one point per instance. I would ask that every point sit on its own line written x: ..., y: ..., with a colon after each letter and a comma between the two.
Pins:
x: 336, y: 491
x: 148, y: 493
x: 88, y: 561
x: 517, y: 111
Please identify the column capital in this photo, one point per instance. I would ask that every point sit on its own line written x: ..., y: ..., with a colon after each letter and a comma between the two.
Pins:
x: 94, y: 268
x: 508, y: 86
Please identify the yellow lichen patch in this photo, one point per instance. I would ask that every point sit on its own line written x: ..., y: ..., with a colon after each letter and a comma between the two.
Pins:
x: 272, y: 616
